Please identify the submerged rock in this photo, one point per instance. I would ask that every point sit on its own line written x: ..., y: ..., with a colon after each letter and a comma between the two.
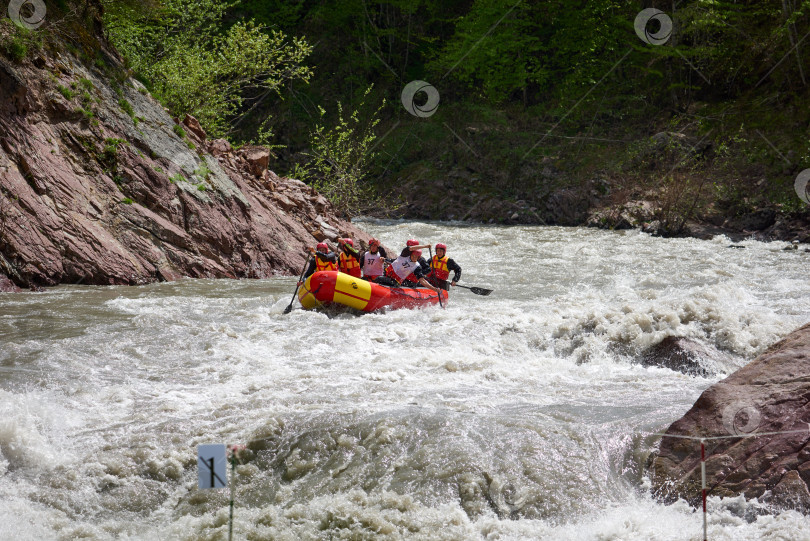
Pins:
x: 683, y: 355
x: 770, y: 394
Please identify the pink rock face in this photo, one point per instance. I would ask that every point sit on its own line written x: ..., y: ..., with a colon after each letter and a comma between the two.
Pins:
x: 770, y: 394
x: 108, y: 200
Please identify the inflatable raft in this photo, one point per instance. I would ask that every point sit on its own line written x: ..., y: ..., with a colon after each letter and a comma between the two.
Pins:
x: 328, y: 288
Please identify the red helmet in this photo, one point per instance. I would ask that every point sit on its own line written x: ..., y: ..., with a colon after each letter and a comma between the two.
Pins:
x: 350, y: 242
x: 412, y: 243
x: 441, y: 246
x: 418, y: 253
x: 373, y: 242
x: 322, y: 247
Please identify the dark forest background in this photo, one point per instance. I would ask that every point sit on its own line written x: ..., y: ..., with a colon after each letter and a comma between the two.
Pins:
x: 535, y: 97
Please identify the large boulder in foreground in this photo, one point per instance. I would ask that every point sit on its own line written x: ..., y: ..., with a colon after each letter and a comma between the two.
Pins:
x: 771, y: 394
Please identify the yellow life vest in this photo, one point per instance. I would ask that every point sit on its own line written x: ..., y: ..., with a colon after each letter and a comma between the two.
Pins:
x: 324, y: 264
x: 349, y: 265
x: 439, y: 267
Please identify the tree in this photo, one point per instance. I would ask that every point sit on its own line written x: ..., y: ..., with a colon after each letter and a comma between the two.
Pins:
x: 195, y: 65
x: 339, y: 160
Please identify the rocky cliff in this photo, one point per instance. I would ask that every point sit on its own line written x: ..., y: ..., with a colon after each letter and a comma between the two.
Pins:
x: 771, y: 394
x: 99, y: 185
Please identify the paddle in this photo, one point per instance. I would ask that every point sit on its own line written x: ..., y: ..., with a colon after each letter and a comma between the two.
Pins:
x: 289, y: 308
x: 477, y: 290
x: 430, y: 250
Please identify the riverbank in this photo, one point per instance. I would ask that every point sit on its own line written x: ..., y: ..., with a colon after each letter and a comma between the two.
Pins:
x: 100, y: 185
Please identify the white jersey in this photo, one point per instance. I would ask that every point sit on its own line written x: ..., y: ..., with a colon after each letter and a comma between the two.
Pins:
x: 372, y: 265
x: 403, y: 267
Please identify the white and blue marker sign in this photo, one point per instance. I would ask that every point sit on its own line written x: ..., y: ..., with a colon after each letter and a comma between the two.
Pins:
x: 212, y: 466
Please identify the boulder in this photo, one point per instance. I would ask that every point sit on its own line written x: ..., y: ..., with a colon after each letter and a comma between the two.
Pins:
x: 258, y: 159
x: 218, y: 147
x: 770, y: 394
x: 193, y: 125
x: 683, y: 355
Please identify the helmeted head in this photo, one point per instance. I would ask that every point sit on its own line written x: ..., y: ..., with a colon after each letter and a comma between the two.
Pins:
x: 416, y: 254
x: 412, y: 242
x: 322, y: 247
x: 441, y: 246
x: 350, y: 242
x: 373, y: 244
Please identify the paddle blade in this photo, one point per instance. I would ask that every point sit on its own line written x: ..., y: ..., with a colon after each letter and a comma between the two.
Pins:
x: 288, y: 309
x: 480, y: 291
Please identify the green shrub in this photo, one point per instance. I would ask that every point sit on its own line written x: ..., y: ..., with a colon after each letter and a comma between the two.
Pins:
x: 65, y: 91
x: 17, y: 49
x: 177, y: 177
x: 86, y: 84
x: 178, y: 129
x: 126, y: 107
x: 127, y: 201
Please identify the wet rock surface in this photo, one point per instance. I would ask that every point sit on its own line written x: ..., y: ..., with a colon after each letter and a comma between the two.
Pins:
x: 682, y: 355
x: 770, y: 394
x: 92, y: 193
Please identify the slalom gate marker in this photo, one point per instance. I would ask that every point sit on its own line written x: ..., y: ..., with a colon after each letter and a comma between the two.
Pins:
x: 703, y: 440
x: 212, y: 471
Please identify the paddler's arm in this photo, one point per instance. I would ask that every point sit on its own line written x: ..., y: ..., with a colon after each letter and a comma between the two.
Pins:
x: 453, y: 266
x: 420, y: 275
x: 310, y: 271
x: 428, y: 285
x: 351, y: 250
x: 420, y: 247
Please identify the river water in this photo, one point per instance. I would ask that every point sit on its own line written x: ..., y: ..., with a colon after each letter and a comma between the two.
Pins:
x: 522, y: 415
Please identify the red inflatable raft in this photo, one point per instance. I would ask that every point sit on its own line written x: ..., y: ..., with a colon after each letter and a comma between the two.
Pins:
x: 326, y: 288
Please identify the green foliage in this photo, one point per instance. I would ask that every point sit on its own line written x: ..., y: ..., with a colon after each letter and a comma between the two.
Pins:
x: 340, y: 158
x: 126, y: 107
x: 178, y: 129
x: 109, y: 156
x: 17, y: 42
x: 196, y: 64
x: 65, y: 91
x: 177, y: 177
x: 127, y: 201
x: 203, y: 171
x: 86, y: 84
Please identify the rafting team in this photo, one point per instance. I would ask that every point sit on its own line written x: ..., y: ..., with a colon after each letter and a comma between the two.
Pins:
x: 410, y: 269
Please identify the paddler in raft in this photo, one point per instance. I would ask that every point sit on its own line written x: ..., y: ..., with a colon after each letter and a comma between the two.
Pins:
x: 405, y: 271
x: 324, y: 260
x: 440, y: 267
x: 372, y: 261
x: 349, y: 261
x: 412, y: 243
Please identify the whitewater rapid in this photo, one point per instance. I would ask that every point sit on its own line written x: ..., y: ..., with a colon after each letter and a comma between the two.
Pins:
x: 522, y: 415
